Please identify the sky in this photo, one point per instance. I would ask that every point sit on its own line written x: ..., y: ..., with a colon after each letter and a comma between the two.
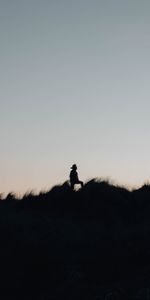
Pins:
x: 74, y: 88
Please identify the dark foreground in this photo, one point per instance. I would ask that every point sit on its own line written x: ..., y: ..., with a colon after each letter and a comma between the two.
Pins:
x: 92, y: 244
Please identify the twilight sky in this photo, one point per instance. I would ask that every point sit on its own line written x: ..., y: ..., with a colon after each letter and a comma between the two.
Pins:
x: 74, y: 88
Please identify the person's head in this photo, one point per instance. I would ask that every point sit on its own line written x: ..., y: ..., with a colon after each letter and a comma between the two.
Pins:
x: 74, y: 167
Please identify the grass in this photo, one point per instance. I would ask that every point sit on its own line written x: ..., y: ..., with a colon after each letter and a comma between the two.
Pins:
x: 64, y: 244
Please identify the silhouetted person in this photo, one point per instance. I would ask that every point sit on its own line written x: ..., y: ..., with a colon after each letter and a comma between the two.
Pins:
x: 74, y: 177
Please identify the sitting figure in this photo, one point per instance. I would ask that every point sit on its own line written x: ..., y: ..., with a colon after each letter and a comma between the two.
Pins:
x: 74, y: 177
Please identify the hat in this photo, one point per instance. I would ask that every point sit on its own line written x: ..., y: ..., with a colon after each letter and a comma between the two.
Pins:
x: 74, y: 166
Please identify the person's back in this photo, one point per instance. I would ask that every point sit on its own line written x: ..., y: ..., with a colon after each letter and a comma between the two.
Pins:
x: 74, y: 177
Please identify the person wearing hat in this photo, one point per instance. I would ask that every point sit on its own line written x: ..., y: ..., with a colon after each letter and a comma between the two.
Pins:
x: 74, y: 177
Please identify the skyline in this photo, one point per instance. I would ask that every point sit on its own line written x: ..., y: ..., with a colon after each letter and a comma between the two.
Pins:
x: 74, y: 89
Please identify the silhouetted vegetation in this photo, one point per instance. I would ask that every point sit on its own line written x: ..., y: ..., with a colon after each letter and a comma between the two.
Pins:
x: 63, y: 244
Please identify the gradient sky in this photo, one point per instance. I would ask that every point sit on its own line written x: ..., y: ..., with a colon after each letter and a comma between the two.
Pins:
x: 74, y: 88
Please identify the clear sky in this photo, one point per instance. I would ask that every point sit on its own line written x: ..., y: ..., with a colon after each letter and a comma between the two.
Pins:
x: 74, y: 88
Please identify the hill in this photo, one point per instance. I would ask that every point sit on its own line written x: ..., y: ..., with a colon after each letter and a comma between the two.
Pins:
x: 89, y: 244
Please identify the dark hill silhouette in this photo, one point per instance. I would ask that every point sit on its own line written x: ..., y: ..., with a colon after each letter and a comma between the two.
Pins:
x: 89, y: 244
